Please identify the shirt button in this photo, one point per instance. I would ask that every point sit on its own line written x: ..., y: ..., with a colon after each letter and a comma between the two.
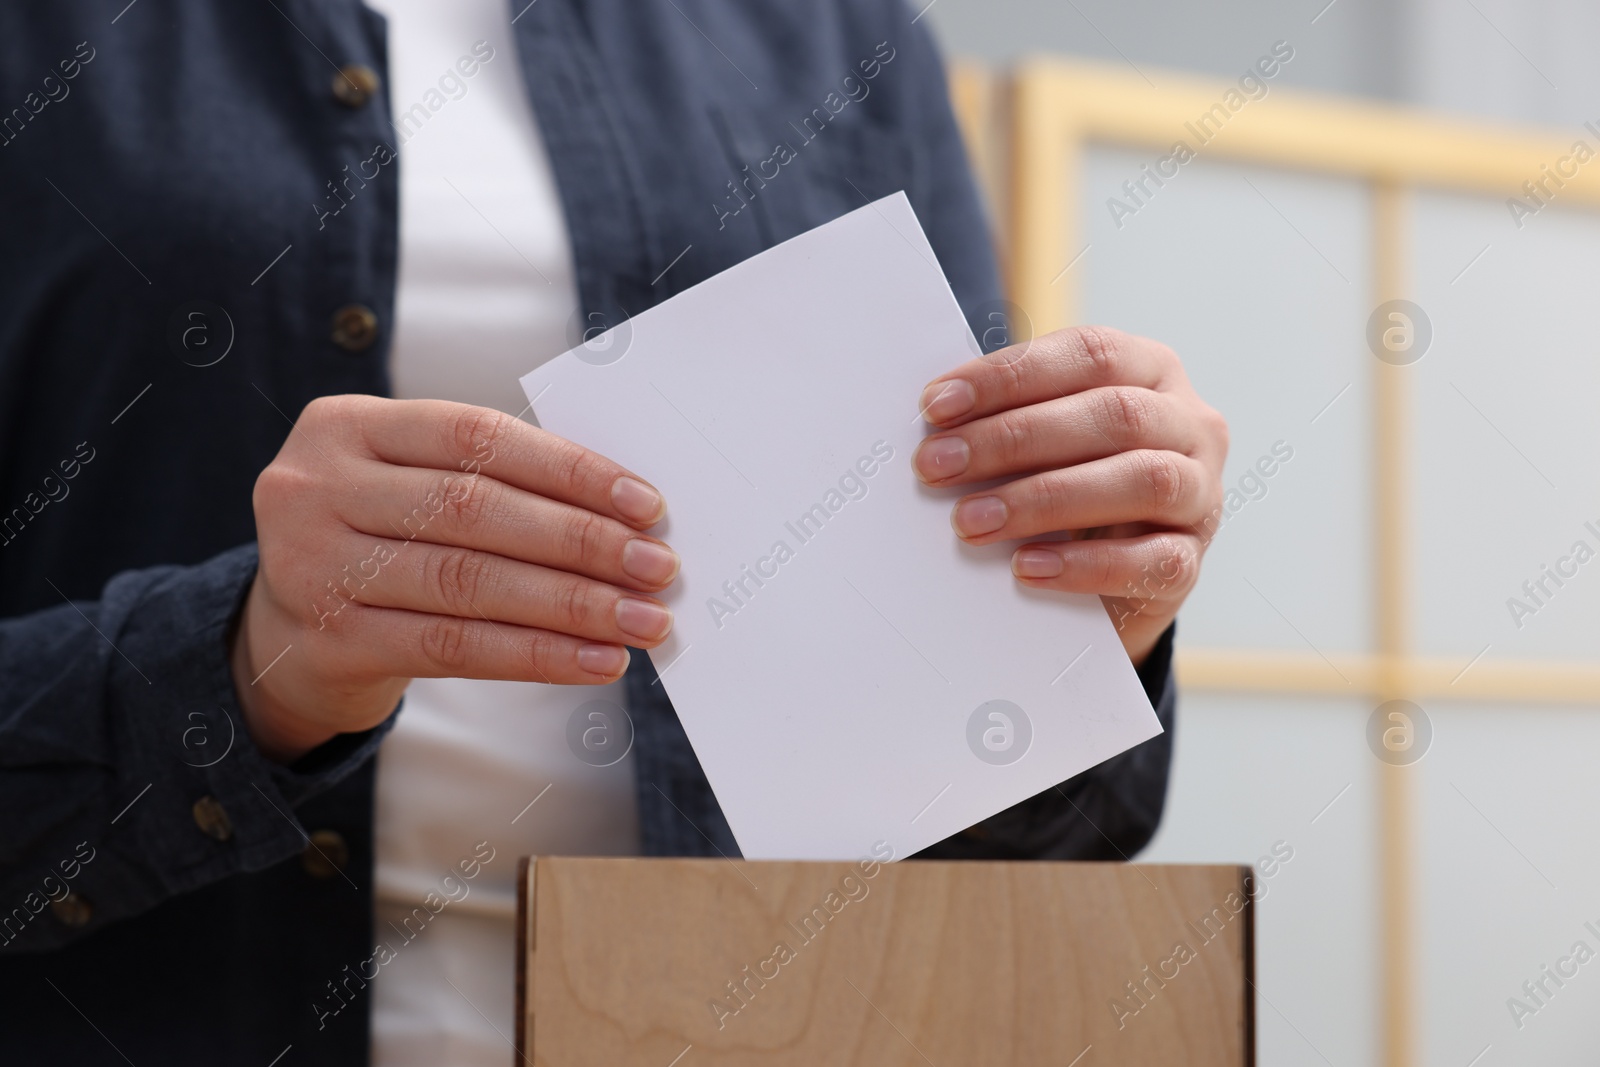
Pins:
x: 354, y: 85
x: 355, y: 327
x: 212, y: 820
x: 326, y: 854
x: 72, y: 910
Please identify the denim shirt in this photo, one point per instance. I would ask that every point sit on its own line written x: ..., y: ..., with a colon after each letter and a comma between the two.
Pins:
x: 200, y: 236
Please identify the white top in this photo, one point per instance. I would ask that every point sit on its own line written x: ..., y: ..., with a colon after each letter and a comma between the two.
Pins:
x: 486, y: 293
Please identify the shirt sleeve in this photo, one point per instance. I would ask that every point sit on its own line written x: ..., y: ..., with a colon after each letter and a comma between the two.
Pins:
x: 126, y: 773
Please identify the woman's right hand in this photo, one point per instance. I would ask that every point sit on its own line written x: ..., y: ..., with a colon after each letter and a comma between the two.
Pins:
x: 406, y: 539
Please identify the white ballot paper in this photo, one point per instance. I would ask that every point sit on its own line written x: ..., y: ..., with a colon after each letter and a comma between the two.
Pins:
x: 849, y: 673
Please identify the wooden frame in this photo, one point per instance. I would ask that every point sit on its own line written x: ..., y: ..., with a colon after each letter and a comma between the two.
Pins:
x: 1057, y: 107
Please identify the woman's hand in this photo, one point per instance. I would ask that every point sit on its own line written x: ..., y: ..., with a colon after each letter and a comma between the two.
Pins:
x: 1103, y: 437
x: 419, y: 538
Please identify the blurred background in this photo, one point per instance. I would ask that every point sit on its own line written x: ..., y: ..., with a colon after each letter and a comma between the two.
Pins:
x: 1426, y: 530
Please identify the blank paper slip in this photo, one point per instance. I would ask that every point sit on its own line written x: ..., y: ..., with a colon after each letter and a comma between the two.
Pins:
x: 847, y: 670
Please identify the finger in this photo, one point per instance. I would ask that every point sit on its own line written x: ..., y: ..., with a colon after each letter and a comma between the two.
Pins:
x: 480, y: 585
x: 1162, y: 565
x: 1055, y: 365
x: 390, y: 643
x: 466, y: 440
x: 1057, y: 433
x: 1165, y: 488
x: 414, y: 504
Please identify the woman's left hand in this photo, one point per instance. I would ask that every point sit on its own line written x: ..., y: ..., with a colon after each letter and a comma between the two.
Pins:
x: 1102, y: 437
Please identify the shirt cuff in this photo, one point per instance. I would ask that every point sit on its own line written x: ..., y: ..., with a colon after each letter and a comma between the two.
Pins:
x: 216, y: 804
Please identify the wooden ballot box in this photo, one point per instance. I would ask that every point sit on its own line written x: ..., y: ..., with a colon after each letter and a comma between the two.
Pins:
x: 717, y: 963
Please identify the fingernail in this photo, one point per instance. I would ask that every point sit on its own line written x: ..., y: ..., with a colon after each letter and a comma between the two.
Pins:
x: 636, y: 501
x: 649, y: 562
x: 1036, y: 563
x: 942, y: 457
x: 641, y: 618
x: 982, y: 515
x: 943, y: 401
x: 605, y: 660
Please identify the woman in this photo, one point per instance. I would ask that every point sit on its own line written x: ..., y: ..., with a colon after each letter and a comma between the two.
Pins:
x: 295, y: 255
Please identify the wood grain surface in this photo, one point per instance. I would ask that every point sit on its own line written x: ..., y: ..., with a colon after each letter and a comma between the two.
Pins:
x: 715, y: 963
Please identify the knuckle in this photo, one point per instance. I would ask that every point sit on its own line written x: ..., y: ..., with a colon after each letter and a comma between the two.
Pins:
x: 272, y: 485
x: 469, y: 501
x: 571, y: 605
x: 281, y: 485
x: 1149, y: 572
x: 1048, y: 498
x: 542, y: 651
x: 1129, y: 414
x: 444, y: 643
x: 582, y: 535
x: 1164, y: 478
x: 575, y: 468
x: 328, y: 408
x: 1177, y: 565
x: 1010, y: 438
x: 1104, y: 350
x: 476, y: 430
x: 456, y: 576
x: 1105, y: 571
x: 319, y: 409
x: 334, y: 412
x: 1013, y: 376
